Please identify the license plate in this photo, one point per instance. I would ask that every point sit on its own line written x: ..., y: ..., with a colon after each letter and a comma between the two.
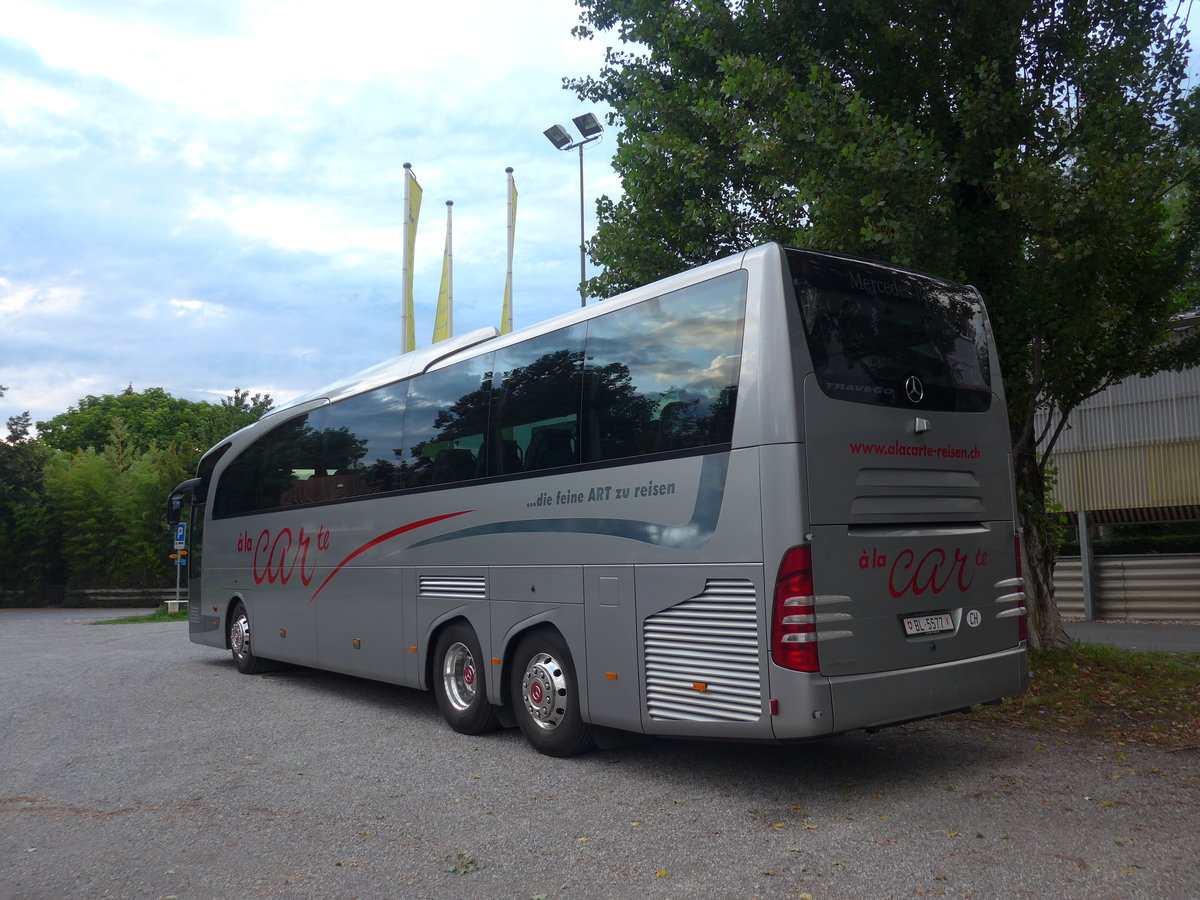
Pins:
x: 929, y: 624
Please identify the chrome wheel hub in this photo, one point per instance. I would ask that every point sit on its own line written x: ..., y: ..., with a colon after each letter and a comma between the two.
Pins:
x: 239, y: 635
x: 544, y: 691
x: 459, y: 676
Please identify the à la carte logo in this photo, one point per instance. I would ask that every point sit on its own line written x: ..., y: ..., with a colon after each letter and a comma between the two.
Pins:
x: 277, y: 556
x: 932, y: 573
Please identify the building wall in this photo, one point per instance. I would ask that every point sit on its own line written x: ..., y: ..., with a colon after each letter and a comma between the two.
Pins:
x: 1134, y: 446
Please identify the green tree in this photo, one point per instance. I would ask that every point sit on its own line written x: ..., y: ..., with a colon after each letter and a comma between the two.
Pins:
x: 1043, y: 150
x: 107, y: 510
x: 82, y: 503
x: 27, y: 539
x: 151, y: 417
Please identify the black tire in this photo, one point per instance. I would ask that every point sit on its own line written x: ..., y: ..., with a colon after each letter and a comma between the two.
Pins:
x: 460, y: 683
x: 239, y: 642
x: 545, y: 698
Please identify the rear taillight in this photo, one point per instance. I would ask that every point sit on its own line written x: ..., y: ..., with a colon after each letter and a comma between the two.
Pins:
x: 794, y: 614
x: 1022, y: 623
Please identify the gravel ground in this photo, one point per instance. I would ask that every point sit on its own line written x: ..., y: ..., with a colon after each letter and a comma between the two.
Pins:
x: 136, y: 764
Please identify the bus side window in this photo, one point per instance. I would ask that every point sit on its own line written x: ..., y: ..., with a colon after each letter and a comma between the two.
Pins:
x: 535, y: 404
x: 551, y: 446
x: 662, y: 375
x: 365, y: 442
x: 445, y: 419
x: 271, y: 472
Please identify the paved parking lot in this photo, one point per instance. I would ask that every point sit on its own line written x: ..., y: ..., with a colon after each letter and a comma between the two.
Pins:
x: 135, y: 764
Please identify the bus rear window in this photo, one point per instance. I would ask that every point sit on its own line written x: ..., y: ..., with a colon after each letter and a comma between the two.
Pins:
x: 890, y: 337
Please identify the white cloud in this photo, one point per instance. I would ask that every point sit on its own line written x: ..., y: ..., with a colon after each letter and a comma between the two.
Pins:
x: 197, y: 310
x: 281, y: 54
x: 231, y: 171
x: 20, y: 96
x: 298, y: 225
x: 28, y: 300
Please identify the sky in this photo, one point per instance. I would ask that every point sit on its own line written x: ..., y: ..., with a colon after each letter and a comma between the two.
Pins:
x: 209, y: 196
x: 204, y: 196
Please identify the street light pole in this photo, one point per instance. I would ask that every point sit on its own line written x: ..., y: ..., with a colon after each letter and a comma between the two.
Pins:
x: 591, y: 129
x: 583, y: 269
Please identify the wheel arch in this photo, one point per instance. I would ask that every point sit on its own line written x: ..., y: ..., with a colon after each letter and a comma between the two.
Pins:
x: 546, y: 621
x: 227, y: 614
x: 476, y: 616
x: 428, y: 657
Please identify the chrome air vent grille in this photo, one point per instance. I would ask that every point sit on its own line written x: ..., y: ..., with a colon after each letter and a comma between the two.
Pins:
x: 471, y: 587
x: 702, y: 656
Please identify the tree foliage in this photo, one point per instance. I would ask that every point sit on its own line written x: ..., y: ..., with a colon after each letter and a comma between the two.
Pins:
x: 1043, y: 150
x: 151, y: 418
x: 82, y: 504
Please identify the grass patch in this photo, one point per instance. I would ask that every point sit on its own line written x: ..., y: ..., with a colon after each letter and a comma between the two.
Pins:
x: 159, y: 615
x: 1109, y: 694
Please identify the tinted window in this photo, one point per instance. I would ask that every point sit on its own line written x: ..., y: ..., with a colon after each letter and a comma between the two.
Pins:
x: 273, y: 471
x: 891, y: 337
x: 536, y: 404
x: 444, y: 423
x: 650, y: 378
x: 662, y: 375
x: 369, y: 455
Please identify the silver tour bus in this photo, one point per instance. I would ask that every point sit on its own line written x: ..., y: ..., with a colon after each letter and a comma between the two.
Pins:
x: 769, y: 499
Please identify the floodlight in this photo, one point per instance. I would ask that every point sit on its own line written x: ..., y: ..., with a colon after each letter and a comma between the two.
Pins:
x: 588, y: 125
x: 558, y: 136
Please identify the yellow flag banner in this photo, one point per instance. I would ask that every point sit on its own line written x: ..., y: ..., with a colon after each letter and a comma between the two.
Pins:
x: 506, y: 322
x: 443, y: 324
x: 412, y: 212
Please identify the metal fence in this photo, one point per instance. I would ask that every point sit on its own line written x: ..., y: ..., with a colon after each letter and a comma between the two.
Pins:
x: 1163, y: 586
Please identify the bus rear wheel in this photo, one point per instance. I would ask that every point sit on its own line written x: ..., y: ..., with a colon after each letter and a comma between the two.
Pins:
x: 545, y: 698
x: 239, y: 642
x: 459, y: 682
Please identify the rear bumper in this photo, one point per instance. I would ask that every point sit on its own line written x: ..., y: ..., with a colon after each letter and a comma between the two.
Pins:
x: 885, y: 698
x: 865, y: 701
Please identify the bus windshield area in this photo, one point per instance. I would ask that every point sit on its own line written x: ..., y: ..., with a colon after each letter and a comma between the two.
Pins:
x: 890, y: 337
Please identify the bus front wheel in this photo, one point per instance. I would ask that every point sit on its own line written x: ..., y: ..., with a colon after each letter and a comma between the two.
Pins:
x: 545, y: 698
x: 459, y: 683
x: 239, y: 642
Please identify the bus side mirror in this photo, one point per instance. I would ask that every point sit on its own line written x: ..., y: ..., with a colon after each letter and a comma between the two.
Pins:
x: 175, y: 500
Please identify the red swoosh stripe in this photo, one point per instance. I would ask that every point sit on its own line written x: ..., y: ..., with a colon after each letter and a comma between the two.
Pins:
x: 379, y: 540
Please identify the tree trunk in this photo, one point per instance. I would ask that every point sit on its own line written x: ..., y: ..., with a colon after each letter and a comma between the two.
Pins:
x: 1040, y: 545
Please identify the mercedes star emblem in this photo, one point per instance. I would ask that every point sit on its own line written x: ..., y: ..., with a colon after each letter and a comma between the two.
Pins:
x: 914, y: 389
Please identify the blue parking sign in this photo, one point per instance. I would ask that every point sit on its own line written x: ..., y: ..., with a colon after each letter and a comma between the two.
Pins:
x: 180, y: 535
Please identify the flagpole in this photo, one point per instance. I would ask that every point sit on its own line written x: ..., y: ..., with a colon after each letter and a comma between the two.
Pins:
x: 408, y: 341
x: 443, y: 323
x: 449, y: 269
x: 506, y: 314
